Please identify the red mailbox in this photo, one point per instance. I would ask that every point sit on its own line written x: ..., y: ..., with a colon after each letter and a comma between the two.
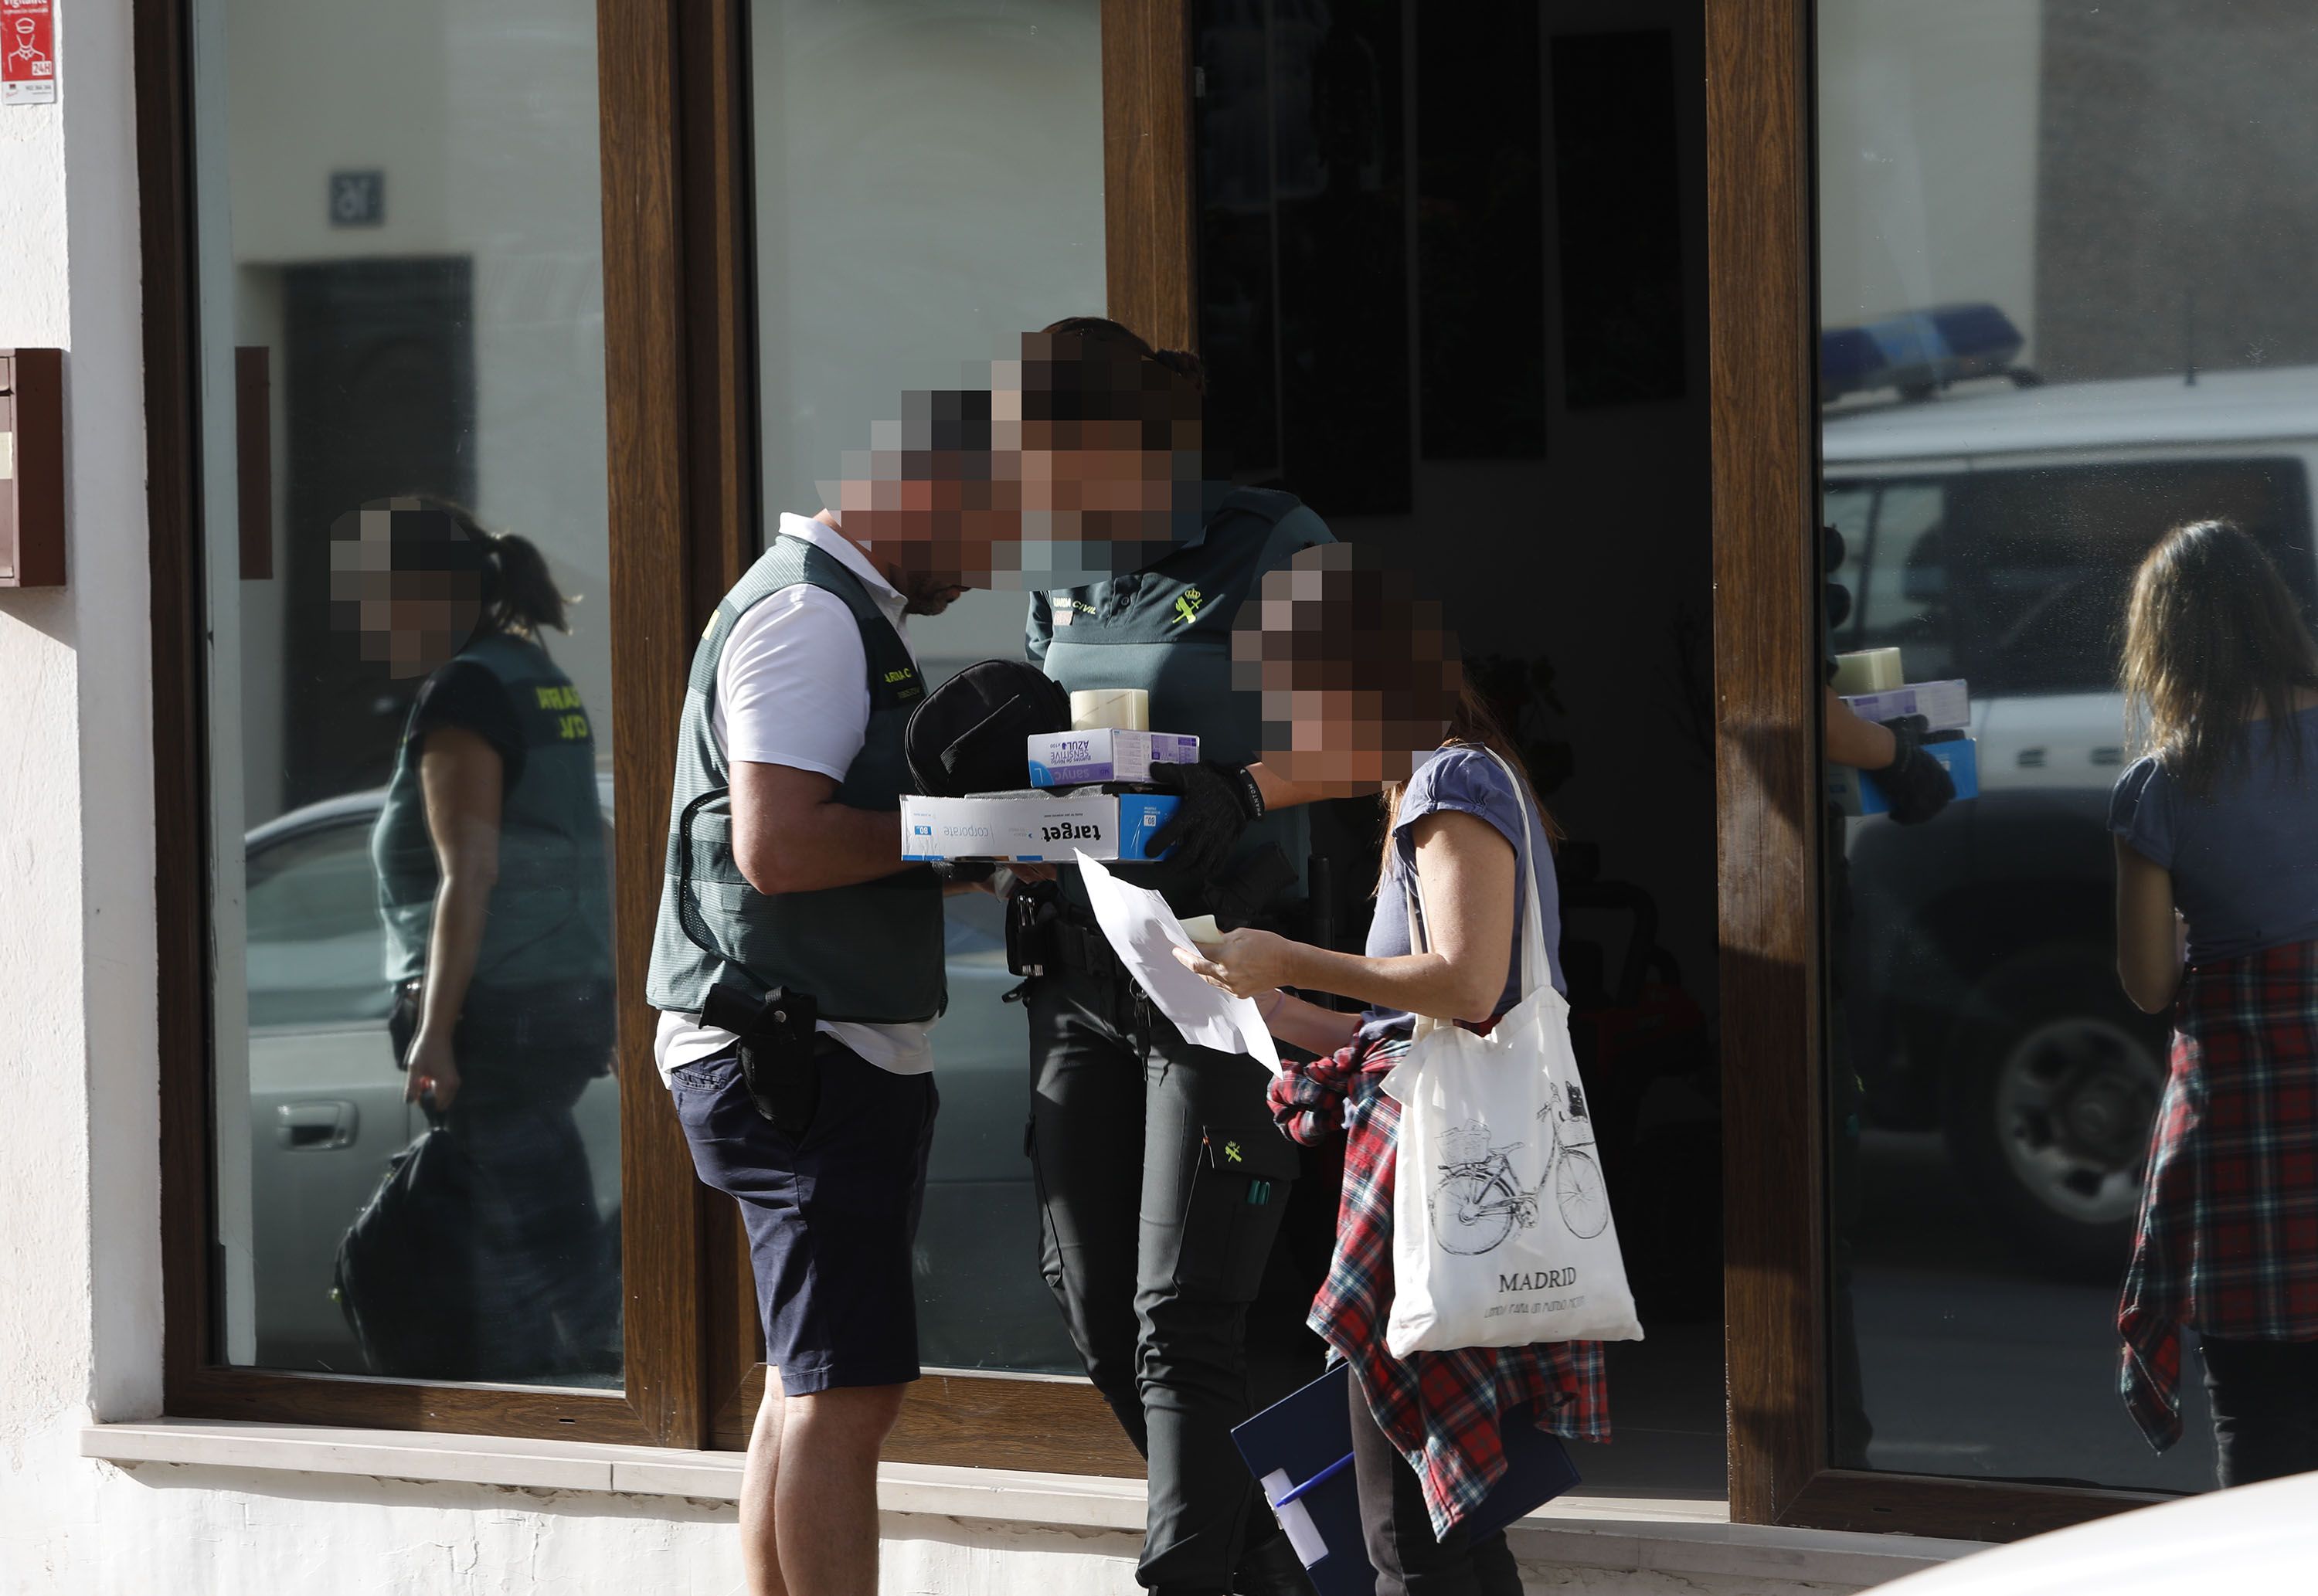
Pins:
x: 32, y: 468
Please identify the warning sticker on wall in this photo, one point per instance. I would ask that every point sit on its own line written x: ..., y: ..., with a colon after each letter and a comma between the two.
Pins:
x: 28, y: 52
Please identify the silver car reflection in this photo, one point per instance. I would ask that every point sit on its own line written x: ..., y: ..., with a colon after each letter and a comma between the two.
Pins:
x: 327, y: 1112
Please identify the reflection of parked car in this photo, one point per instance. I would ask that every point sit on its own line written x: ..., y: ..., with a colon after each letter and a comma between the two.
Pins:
x: 327, y: 1111
x: 1992, y: 536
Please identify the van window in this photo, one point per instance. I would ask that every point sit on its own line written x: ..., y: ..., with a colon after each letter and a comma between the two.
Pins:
x: 2015, y: 580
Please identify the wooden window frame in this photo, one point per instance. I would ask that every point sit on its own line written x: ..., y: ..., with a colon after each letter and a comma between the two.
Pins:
x: 1763, y: 329
x: 680, y: 345
x: 680, y: 389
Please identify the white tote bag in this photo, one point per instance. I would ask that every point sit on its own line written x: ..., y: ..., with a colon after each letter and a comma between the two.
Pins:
x: 1501, y: 1229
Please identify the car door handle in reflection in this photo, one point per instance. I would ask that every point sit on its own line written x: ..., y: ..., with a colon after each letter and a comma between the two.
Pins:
x: 317, y: 1127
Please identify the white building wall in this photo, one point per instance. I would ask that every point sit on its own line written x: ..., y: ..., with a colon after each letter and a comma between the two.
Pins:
x: 79, y: 1189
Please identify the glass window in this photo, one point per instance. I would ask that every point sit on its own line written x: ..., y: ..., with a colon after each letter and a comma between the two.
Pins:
x: 929, y: 187
x: 316, y: 945
x: 409, y: 684
x: 1903, y: 580
x: 2058, y: 322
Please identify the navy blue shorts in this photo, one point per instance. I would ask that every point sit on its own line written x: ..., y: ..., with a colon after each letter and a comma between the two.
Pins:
x: 832, y: 1219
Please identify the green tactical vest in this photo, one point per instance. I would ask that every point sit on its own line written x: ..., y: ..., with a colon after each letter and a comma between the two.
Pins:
x: 1167, y: 630
x: 551, y: 909
x: 870, y: 953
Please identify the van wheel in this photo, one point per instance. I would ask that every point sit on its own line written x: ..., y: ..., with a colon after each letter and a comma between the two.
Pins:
x: 2050, y: 1096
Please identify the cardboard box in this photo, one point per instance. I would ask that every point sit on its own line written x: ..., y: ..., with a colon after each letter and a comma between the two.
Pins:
x: 1855, y: 792
x: 1106, y: 753
x: 1034, y: 825
x: 1945, y: 705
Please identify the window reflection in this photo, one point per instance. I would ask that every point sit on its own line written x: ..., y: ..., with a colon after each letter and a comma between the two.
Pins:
x: 2056, y: 325
x: 408, y: 736
x: 928, y: 186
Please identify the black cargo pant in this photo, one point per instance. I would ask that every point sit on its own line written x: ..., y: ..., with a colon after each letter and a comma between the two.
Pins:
x: 1398, y: 1528
x: 2265, y: 1400
x: 545, y: 1294
x: 1161, y: 1183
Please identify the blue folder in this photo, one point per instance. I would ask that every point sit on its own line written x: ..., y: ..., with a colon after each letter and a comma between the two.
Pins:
x: 1301, y: 1450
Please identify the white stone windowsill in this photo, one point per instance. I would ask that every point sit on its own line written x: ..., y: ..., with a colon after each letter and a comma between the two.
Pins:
x: 1683, y: 1537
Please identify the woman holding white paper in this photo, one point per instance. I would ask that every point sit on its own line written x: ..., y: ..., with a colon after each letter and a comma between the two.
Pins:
x: 1461, y: 827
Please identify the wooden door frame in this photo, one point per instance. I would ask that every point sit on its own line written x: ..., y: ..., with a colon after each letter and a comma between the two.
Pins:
x: 1762, y: 330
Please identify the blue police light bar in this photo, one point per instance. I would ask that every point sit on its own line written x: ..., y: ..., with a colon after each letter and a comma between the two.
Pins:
x: 1918, y: 353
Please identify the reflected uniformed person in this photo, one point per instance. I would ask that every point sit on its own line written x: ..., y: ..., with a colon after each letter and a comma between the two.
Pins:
x: 1161, y: 1182
x: 495, y: 892
x: 1917, y: 787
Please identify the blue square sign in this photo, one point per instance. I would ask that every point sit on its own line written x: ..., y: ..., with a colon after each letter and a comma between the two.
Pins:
x: 357, y: 199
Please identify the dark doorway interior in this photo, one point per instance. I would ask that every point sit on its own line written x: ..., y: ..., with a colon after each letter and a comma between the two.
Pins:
x: 380, y: 400
x: 1454, y: 294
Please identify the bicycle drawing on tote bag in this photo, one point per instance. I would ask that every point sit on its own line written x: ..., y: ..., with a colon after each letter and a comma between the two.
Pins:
x: 1479, y: 1199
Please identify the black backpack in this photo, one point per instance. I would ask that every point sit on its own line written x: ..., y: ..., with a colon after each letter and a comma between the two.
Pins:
x: 405, y: 1277
x: 972, y: 733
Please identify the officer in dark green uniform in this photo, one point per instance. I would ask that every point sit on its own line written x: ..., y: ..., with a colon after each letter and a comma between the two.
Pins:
x: 1160, y: 1178
x: 495, y: 892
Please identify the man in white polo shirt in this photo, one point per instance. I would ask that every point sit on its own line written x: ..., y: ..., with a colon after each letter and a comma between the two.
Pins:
x: 788, y: 915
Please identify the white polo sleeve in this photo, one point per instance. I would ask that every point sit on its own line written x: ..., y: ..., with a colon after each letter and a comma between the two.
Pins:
x: 792, y: 686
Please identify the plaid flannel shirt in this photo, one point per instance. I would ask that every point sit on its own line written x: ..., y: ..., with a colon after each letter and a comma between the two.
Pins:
x: 1443, y: 1410
x: 2227, y: 1242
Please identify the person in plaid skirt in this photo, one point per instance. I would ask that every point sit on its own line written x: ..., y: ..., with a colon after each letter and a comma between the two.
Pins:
x: 2217, y: 922
x: 1355, y: 670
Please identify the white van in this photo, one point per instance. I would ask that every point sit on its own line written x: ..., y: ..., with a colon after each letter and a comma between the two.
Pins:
x: 1992, y: 533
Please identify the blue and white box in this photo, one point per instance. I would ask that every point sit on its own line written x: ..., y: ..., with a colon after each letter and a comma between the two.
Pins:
x: 1854, y: 792
x: 1105, y: 754
x: 1945, y: 706
x: 1033, y: 826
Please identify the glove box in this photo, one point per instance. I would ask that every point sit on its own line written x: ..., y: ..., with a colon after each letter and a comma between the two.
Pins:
x: 1034, y: 825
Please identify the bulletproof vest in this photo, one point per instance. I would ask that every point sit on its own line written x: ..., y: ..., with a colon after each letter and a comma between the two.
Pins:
x: 551, y: 908
x: 872, y: 952
x: 1167, y: 630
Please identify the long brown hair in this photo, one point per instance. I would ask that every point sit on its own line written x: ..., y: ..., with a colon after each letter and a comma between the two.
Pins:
x: 2211, y: 633
x: 1473, y: 724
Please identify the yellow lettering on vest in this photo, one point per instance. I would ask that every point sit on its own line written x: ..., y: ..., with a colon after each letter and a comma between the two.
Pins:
x: 573, y: 728
x: 557, y: 698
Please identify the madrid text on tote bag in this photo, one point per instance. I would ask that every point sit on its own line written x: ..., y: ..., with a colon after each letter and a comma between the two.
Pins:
x: 1501, y: 1228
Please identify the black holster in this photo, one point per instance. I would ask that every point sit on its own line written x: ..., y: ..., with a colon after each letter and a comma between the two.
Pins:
x: 1033, y: 910
x: 776, y: 1051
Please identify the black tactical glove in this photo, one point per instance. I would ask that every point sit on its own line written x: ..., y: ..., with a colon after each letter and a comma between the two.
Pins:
x: 971, y: 872
x: 1211, y: 813
x: 1916, y: 785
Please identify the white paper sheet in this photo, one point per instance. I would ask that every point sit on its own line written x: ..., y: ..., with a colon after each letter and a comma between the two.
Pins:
x: 1145, y: 932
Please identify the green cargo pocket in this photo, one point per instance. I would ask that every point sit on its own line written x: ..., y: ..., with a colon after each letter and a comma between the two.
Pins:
x: 1231, y: 1217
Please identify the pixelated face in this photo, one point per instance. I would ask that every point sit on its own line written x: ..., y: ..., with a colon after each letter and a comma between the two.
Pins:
x: 935, y: 496
x: 406, y: 581
x: 1110, y: 457
x: 1360, y: 677
x: 1074, y: 464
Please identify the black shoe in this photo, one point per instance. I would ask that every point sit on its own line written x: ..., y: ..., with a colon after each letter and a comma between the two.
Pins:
x: 1271, y: 1568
